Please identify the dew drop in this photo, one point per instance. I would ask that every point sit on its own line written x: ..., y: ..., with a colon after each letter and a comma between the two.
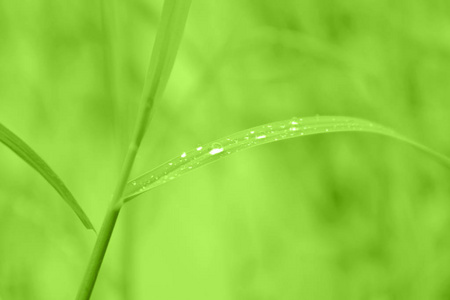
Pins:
x: 183, y: 155
x: 261, y: 137
x: 216, y: 148
x: 199, y: 148
x: 215, y: 151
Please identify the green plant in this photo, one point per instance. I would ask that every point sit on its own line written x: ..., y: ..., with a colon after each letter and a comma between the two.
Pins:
x: 163, y: 56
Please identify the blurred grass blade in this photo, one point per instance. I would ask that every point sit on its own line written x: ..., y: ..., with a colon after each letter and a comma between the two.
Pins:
x: 31, y: 158
x: 167, y: 42
x: 264, y: 134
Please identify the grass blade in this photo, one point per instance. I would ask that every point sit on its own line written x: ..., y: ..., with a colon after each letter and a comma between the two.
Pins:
x: 165, y: 49
x: 256, y: 136
x: 168, y: 38
x: 24, y: 151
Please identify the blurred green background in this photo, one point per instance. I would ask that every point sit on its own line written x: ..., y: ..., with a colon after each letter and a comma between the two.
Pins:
x: 342, y: 216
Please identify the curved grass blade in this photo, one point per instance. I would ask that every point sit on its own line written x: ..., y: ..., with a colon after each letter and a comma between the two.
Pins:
x: 256, y: 136
x: 24, y: 151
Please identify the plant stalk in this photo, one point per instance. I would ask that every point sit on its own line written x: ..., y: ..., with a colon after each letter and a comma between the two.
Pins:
x: 113, y: 212
x: 166, y: 46
x: 98, y: 253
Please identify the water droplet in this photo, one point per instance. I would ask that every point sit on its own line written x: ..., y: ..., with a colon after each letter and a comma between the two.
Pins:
x: 199, y: 148
x: 294, y: 123
x: 134, y: 183
x: 216, y: 148
x: 215, y: 151
x: 293, y: 129
x: 252, y: 132
x: 170, y: 164
x: 261, y: 137
x: 183, y: 155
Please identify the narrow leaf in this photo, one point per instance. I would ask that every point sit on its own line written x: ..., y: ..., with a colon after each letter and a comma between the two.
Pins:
x: 256, y: 136
x: 165, y: 49
x: 24, y: 151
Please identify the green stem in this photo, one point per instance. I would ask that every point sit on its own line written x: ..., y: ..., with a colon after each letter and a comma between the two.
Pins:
x: 96, y: 260
x: 98, y: 254
x: 166, y: 46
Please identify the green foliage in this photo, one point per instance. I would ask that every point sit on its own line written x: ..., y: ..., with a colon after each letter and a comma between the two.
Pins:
x: 24, y: 151
x: 332, y: 216
x: 165, y: 49
x: 268, y: 133
x: 166, y: 46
